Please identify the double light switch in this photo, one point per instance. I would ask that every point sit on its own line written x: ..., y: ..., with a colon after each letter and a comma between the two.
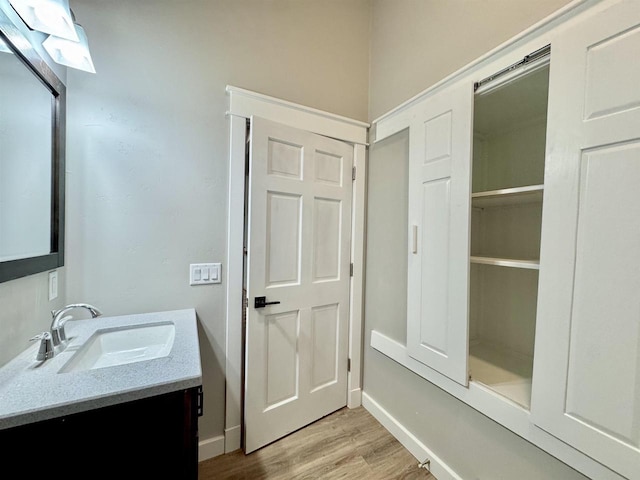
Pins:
x: 204, y: 273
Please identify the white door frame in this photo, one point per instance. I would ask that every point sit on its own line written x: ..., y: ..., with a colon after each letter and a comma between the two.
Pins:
x: 242, y: 105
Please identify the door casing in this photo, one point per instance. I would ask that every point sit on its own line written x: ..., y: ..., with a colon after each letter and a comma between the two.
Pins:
x: 243, y: 104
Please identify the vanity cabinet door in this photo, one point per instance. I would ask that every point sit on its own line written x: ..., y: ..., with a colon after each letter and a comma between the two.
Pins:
x: 438, y: 270
x: 586, y: 385
x: 155, y: 437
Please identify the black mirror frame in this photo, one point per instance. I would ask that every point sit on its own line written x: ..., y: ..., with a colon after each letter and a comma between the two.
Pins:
x: 24, y: 51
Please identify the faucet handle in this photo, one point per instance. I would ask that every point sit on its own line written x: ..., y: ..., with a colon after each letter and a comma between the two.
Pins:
x: 40, y: 336
x: 46, y: 346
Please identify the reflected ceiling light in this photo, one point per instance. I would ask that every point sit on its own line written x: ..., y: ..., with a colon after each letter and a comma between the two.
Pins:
x: 48, y: 16
x: 69, y: 53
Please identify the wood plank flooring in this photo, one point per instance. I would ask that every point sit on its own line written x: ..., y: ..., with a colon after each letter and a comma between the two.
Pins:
x: 348, y: 444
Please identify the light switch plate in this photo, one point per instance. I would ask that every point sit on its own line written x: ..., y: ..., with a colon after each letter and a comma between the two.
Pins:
x: 204, y: 273
x: 53, y: 285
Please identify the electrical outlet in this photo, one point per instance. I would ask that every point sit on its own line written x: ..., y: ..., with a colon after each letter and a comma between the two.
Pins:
x: 204, y: 273
x: 53, y: 285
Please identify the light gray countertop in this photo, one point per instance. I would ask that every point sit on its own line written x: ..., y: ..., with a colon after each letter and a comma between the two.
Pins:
x: 31, y: 391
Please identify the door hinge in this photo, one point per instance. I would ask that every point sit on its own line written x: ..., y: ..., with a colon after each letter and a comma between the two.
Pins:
x: 348, y: 365
x: 353, y: 173
x: 351, y: 270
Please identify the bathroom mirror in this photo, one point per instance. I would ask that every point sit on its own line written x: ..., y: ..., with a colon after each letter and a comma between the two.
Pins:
x: 32, y: 134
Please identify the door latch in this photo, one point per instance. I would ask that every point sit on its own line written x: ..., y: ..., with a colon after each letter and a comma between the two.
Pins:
x: 261, y: 302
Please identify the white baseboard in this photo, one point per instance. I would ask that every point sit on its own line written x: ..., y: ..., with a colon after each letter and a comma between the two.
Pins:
x: 354, y: 399
x: 422, y: 453
x: 211, y: 447
x: 232, y: 438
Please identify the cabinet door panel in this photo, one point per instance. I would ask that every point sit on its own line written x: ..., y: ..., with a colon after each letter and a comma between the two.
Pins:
x: 586, y: 385
x: 436, y: 208
x: 604, y: 353
x: 439, y: 188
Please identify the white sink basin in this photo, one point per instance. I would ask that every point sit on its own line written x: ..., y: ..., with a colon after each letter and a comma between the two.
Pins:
x: 123, y: 345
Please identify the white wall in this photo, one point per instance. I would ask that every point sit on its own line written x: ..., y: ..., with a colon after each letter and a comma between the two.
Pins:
x: 415, y: 43
x: 24, y: 303
x: 147, y: 154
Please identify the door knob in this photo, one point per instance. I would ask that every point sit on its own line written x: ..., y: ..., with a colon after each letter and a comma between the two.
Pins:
x: 261, y: 302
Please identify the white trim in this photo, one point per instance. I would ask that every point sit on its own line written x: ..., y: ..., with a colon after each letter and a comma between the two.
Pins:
x: 234, y: 277
x: 245, y: 103
x: 211, y: 447
x: 293, y: 106
x: 556, y: 17
x: 354, y: 399
x: 418, y: 449
x: 496, y: 407
x: 232, y: 438
x: 356, y: 308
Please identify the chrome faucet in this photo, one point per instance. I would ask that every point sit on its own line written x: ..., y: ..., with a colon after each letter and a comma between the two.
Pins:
x: 46, y: 346
x: 58, y: 335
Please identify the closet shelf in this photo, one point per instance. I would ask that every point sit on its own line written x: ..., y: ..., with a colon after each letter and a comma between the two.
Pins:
x: 508, y: 196
x: 504, y: 372
x: 507, y: 262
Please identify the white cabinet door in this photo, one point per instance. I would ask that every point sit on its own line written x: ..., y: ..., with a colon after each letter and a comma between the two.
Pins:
x: 439, y: 205
x: 586, y: 385
x: 300, y: 194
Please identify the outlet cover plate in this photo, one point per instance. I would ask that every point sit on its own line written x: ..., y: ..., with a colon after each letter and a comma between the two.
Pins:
x: 53, y: 285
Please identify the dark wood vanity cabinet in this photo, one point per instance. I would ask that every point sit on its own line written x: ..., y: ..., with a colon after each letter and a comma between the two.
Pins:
x: 155, y: 437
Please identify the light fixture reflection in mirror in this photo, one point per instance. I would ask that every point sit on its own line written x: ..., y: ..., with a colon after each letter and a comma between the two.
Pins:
x: 48, y: 16
x: 25, y: 162
x: 69, y: 53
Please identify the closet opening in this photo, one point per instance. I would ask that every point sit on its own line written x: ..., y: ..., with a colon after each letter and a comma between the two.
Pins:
x: 509, y: 140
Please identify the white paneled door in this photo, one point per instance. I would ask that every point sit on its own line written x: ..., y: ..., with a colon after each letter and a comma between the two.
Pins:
x: 299, y: 233
x: 587, y: 371
x: 438, y: 259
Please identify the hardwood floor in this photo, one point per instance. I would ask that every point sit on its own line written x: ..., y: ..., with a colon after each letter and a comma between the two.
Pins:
x: 348, y: 444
